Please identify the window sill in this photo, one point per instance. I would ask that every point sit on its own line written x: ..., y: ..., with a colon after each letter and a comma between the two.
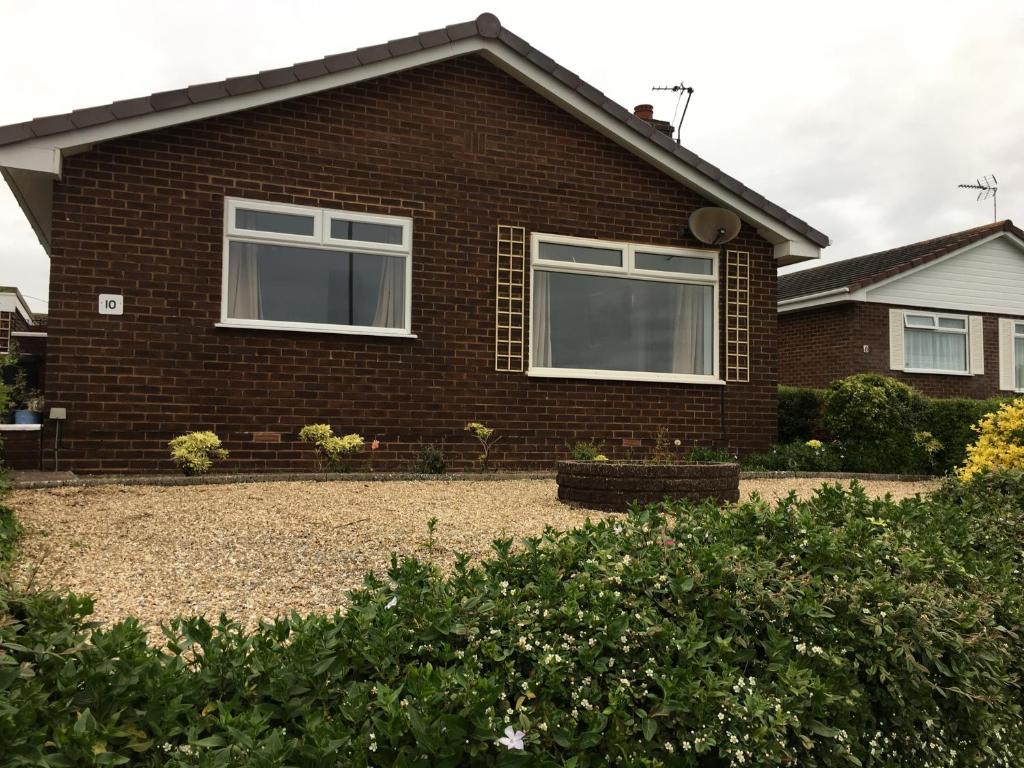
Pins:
x: 383, y: 332
x: 20, y: 427
x: 663, y: 378
x: 937, y: 373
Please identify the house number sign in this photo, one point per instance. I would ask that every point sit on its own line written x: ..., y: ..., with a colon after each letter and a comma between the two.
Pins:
x: 111, y: 304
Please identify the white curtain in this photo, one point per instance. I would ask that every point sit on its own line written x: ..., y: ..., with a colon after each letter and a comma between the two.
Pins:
x: 934, y: 350
x: 541, y: 353
x: 390, y: 299
x: 244, y: 301
x: 691, y: 349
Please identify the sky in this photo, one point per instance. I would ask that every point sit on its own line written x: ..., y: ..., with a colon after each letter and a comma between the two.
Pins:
x: 860, y: 118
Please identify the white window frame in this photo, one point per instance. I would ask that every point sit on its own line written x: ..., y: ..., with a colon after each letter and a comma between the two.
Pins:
x: 627, y: 270
x: 1016, y: 332
x: 320, y: 240
x: 965, y: 332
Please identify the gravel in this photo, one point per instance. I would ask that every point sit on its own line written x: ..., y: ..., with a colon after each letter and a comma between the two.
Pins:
x: 259, y: 550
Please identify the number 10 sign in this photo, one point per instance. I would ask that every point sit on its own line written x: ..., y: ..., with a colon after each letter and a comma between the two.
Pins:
x: 111, y: 304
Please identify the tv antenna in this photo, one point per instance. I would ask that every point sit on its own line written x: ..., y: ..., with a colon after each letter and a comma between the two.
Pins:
x: 987, y: 187
x: 680, y: 89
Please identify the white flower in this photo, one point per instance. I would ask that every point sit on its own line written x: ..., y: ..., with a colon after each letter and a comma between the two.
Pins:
x: 512, y: 739
x: 392, y: 602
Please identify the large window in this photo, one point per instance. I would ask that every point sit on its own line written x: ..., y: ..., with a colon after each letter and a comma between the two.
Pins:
x: 622, y: 311
x: 308, y: 269
x: 935, y: 343
x: 1018, y: 356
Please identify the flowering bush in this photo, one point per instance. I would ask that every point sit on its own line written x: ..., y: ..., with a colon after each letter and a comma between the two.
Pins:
x: 195, y: 452
x: 333, y: 452
x: 1000, y: 443
x: 835, y: 632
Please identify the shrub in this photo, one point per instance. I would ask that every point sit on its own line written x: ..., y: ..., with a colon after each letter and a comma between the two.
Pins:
x: 332, y: 452
x: 699, y: 453
x: 951, y: 421
x: 486, y: 437
x: 585, y: 450
x: 10, y: 532
x: 838, y: 631
x: 1000, y: 443
x: 195, y: 452
x: 808, y: 456
x: 800, y: 413
x: 430, y: 461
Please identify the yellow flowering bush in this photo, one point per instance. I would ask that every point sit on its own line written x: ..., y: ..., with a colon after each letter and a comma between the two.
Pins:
x: 815, y: 444
x: 194, y: 452
x: 1000, y: 443
x: 332, y: 452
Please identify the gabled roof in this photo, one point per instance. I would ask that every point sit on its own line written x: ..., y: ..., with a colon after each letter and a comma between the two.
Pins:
x: 861, y: 271
x: 35, y: 146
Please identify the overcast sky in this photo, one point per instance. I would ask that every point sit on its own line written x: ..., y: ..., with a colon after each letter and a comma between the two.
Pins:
x: 861, y: 118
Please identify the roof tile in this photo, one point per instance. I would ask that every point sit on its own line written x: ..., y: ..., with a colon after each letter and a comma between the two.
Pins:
x: 131, y: 107
x: 207, y: 92
x: 341, y: 61
x: 372, y: 53
x: 571, y: 79
x: 44, y: 126
x: 541, y: 60
x: 307, y: 70
x: 461, y: 31
x: 271, y: 78
x: 405, y: 45
x: 433, y: 38
x: 514, y: 41
x: 169, y: 99
x: 487, y: 25
x: 90, y: 116
x: 240, y: 85
x: 16, y: 132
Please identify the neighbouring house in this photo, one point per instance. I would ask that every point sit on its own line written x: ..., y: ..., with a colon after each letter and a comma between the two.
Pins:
x: 23, y: 338
x: 444, y: 228
x: 944, y: 315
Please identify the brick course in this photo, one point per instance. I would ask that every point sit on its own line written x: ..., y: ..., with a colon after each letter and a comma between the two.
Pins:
x: 819, y: 345
x: 458, y: 146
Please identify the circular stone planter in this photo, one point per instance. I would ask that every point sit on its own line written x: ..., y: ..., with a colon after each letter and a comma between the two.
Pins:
x: 614, y: 485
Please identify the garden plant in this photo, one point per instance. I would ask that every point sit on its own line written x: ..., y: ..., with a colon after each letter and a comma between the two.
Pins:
x: 195, y: 452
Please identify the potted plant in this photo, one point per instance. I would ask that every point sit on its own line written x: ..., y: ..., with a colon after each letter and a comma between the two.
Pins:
x: 28, y: 401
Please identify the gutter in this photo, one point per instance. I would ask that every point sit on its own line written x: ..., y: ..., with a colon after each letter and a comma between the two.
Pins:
x: 812, y: 299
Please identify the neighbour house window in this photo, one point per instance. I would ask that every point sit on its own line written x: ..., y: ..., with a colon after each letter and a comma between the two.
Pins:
x: 1018, y: 356
x: 298, y: 268
x: 935, y: 342
x: 622, y: 311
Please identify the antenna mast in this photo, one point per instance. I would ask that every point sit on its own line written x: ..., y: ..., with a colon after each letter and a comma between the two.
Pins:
x: 987, y: 186
x: 680, y: 89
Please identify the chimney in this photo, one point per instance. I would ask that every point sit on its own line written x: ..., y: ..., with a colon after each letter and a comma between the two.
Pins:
x: 646, y: 113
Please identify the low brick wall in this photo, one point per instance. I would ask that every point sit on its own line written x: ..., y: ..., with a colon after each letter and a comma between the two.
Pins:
x: 20, y: 447
x: 615, y: 485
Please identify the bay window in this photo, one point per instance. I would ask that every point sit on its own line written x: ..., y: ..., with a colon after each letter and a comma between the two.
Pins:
x: 612, y: 310
x: 309, y: 269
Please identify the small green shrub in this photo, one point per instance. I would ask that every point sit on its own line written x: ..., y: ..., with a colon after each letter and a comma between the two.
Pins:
x: 800, y: 413
x: 195, y: 452
x: 487, y: 438
x: 808, y: 456
x: 430, y: 461
x: 333, y: 453
x: 10, y: 532
x: 585, y: 450
x: 699, y: 453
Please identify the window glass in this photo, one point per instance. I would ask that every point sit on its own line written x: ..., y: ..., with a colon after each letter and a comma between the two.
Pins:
x: 924, y: 321
x: 581, y: 254
x: 272, y: 221
x: 666, y: 263
x: 343, y: 229
x: 936, y: 351
x: 953, y: 322
x: 621, y: 324
x: 1018, y: 360
x: 308, y: 285
x: 1020, y: 328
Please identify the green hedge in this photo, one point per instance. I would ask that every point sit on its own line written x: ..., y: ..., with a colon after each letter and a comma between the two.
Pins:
x: 802, y: 416
x: 838, y: 631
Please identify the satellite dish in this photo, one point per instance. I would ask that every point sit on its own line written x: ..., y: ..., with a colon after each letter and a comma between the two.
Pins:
x: 714, y: 226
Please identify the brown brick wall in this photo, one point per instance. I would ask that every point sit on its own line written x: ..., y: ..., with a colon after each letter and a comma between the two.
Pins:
x: 809, y: 357
x: 460, y: 147
x: 20, y: 449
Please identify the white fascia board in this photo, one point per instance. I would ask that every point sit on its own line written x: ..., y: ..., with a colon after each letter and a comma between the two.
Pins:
x: 834, y: 296
x: 12, y: 302
x: 43, y: 154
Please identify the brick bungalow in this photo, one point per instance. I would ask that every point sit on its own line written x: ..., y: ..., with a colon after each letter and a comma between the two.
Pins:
x: 945, y: 315
x: 396, y: 240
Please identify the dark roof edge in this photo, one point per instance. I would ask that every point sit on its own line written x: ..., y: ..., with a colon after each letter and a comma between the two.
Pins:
x: 486, y: 26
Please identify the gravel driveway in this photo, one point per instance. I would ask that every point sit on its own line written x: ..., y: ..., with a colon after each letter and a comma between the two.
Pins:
x: 262, y: 549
